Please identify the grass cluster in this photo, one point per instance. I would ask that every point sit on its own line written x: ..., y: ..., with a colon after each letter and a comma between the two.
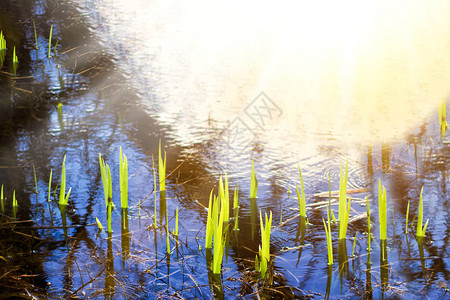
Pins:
x: 217, y: 224
x: 105, y: 172
x: 264, y: 248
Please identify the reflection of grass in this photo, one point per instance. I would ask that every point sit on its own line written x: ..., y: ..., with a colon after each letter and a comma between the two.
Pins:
x: 301, y: 198
x: 420, y: 231
x: 382, y: 211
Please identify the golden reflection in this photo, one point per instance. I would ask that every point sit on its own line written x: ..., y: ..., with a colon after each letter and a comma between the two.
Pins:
x: 356, y: 70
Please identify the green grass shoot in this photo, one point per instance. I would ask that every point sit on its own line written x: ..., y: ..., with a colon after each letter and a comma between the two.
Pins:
x: 420, y: 231
x: 344, y: 205
x: 2, y: 41
x: 2, y: 201
x: 407, y: 216
x: 35, y: 181
x: 123, y: 180
x: 253, y: 182
x: 105, y: 172
x: 109, y: 208
x: 236, y: 208
x: 15, y: 59
x: 49, y: 185
x: 162, y: 169
x: 354, y: 245
x: 14, y: 202
x: 301, y: 198
x: 63, y: 198
x: 369, y: 233
x: 167, y: 240
x: 175, y: 233
x: 442, y: 118
x: 264, y: 248
x: 219, y: 242
x: 224, y: 198
x: 210, y: 221
x: 154, y: 190
x: 327, y: 226
x: 35, y: 35
x: 56, y: 46
x: 99, y: 224
x: 50, y: 41
x: 382, y: 211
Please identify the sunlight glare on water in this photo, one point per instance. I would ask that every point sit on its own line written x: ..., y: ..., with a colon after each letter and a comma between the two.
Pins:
x: 360, y: 71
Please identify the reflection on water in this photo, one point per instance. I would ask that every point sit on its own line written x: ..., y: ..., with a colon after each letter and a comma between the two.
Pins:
x: 347, y: 70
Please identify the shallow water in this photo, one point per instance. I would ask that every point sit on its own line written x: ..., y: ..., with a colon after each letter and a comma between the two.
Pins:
x: 130, y: 75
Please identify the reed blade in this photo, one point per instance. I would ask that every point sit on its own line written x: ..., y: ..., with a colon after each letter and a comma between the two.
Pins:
x: 253, y: 183
x: 49, y: 185
x: 62, y: 190
x: 50, y: 41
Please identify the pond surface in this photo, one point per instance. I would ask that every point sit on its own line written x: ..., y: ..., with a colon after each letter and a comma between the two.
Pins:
x: 309, y: 85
